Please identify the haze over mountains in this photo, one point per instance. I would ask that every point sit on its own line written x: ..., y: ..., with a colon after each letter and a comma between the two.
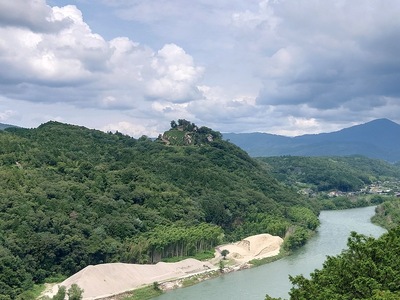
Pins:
x: 379, y: 139
x: 375, y: 139
x: 4, y: 126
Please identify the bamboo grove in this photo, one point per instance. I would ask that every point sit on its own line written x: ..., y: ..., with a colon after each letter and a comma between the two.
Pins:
x: 173, y: 241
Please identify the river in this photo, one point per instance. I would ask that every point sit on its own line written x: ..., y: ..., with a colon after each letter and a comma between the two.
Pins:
x: 272, y: 278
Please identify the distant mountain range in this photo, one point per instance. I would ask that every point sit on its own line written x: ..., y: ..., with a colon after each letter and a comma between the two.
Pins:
x: 4, y: 126
x: 376, y: 139
x: 379, y: 138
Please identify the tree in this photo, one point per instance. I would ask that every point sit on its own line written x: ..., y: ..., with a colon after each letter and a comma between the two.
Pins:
x: 221, y: 266
x: 156, y: 286
x: 224, y: 253
x: 60, y: 294
x: 75, y: 292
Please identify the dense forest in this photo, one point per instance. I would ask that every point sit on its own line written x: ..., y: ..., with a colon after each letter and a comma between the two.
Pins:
x: 342, y: 173
x: 72, y: 196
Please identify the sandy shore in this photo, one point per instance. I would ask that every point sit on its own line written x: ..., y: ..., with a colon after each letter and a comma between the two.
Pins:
x: 253, y: 247
x: 105, y: 280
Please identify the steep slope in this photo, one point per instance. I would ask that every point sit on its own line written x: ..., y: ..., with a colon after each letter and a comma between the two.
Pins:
x: 376, y: 139
x: 72, y: 197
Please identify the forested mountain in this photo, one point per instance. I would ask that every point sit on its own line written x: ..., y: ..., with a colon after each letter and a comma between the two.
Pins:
x: 71, y: 197
x: 346, y: 173
x: 376, y: 139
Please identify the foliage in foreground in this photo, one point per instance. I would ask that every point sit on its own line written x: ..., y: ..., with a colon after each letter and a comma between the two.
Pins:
x: 73, y: 293
x: 368, y: 269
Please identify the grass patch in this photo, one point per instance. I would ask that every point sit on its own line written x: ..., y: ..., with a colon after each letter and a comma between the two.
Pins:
x: 199, y: 278
x: 144, y: 293
x: 34, y: 292
x: 56, y: 278
x: 266, y: 260
x: 205, y: 255
x: 190, y: 281
x: 176, y: 137
x: 229, y: 262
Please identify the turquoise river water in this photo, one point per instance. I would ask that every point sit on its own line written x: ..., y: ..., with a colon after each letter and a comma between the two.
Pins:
x: 273, y: 278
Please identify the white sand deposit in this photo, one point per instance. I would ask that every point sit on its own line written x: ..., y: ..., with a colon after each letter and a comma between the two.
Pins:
x: 253, y: 247
x: 106, y: 280
x: 115, y: 278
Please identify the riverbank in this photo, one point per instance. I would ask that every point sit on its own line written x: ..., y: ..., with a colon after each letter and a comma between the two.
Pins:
x: 106, y: 281
x: 273, y: 278
x: 241, y: 255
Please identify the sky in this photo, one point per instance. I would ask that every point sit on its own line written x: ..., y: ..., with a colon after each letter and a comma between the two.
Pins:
x: 286, y: 67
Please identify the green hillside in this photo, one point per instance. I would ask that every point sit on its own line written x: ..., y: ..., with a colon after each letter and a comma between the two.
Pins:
x: 348, y: 173
x: 71, y: 197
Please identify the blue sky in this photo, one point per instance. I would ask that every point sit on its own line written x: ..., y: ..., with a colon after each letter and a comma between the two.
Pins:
x: 276, y: 66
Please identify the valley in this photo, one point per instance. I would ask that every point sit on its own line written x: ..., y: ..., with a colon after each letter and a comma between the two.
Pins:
x: 74, y: 197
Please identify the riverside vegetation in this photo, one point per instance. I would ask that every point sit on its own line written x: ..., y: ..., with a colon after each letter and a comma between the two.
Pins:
x: 338, y: 182
x: 369, y: 268
x: 322, y: 174
x: 71, y: 197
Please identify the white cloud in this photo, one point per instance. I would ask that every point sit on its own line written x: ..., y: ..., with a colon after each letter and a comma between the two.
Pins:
x: 296, y: 126
x: 175, y: 75
x: 6, y: 115
x: 111, y: 74
x: 58, y: 58
x: 133, y: 129
x: 263, y: 17
x: 34, y: 15
x: 218, y: 109
x: 234, y: 65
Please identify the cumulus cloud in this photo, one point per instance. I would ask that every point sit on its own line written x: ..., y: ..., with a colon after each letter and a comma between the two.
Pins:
x: 235, y: 65
x: 332, y: 55
x: 66, y: 57
x: 161, y: 10
x: 136, y: 129
x: 175, y: 75
x: 263, y: 17
x: 314, y: 57
x: 34, y: 15
x: 76, y: 65
x: 6, y: 115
